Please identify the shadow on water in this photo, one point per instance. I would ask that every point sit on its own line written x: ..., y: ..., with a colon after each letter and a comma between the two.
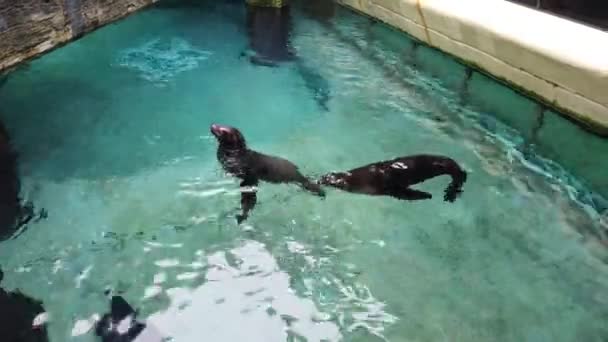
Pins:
x: 269, y: 31
x: 15, y: 214
x: 21, y: 318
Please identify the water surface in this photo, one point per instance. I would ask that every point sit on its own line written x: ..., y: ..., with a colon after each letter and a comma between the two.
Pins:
x: 112, y: 132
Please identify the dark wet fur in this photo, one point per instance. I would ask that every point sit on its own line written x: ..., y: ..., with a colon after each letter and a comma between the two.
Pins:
x: 17, y: 312
x: 252, y: 167
x: 395, y: 177
x: 107, y: 326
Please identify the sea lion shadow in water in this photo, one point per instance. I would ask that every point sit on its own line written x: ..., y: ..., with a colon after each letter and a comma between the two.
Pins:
x: 269, y: 31
x: 395, y: 177
x: 252, y: 167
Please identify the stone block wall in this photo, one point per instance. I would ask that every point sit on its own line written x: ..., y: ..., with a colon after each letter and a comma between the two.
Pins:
x: 29, y: 28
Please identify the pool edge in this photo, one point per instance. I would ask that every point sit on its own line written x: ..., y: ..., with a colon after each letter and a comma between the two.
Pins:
x: 504, y: 56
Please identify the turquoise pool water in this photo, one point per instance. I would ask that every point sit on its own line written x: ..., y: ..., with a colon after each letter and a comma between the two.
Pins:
x: 112, y: 132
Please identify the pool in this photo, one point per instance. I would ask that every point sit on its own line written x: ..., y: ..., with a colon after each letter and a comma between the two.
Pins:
x: 112, y: 132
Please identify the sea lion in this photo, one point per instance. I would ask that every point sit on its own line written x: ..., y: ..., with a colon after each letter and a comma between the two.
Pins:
x: 394, y: 177
x: 121, y: 325
x: 251, y: 167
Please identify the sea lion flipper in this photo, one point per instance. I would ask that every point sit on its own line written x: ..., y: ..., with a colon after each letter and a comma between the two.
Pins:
x: 408, y: 194
x: 248, y: 199
x: 459, y: 177
x: 313, y: 187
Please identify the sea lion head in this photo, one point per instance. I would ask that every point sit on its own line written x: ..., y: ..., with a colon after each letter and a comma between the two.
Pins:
x: 228, y: 137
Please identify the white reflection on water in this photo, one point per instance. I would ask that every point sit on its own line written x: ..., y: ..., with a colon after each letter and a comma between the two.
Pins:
x: 250, y: 302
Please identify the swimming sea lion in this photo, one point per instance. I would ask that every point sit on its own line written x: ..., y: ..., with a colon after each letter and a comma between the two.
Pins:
x: 394, y: 177
x: 121, y: 325
x: 251, y: 167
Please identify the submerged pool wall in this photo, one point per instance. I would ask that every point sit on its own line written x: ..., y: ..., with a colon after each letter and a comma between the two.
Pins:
x: 29, y: 28
x: 523, y: 85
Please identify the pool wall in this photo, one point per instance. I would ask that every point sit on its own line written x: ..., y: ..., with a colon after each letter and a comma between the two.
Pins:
x: 29, y: 28
x: 530, y: 50
x: 544, y: 129
x: 532, y: 88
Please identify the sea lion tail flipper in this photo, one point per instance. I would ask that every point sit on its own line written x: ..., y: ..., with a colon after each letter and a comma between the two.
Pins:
x: 408, y: 194
x: 459, y: 177
x: 120, y: 309
x: 334, y: 179
x: 248, y: 199
x: 313, y: 187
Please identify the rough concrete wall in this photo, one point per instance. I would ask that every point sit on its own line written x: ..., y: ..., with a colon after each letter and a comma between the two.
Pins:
x: 31, y: 27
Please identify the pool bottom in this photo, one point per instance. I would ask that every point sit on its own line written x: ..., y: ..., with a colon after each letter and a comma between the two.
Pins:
x: 354, y: 257
x: 138, y: 205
